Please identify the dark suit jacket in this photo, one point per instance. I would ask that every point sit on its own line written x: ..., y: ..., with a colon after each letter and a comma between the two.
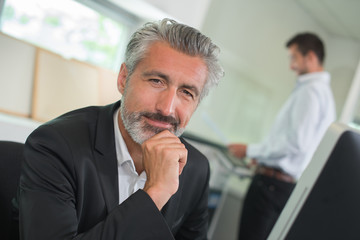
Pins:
x: 69, y: 187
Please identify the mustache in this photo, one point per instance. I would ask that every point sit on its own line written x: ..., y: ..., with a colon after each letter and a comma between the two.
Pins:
x: 159, y: 117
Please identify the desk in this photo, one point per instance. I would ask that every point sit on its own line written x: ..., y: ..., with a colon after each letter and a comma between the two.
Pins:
x: 16, y: 129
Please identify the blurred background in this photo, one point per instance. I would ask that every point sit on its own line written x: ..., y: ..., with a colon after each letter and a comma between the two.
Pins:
x: 60, y: 55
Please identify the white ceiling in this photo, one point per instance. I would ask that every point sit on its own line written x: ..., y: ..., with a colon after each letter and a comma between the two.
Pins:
x: 150, y: 10
x: 338, y: 17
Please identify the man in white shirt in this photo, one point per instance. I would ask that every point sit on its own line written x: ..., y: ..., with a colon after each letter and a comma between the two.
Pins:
x: 284, y: 154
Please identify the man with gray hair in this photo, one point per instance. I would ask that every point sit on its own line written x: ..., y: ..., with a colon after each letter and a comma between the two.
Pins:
x: 122, y: 171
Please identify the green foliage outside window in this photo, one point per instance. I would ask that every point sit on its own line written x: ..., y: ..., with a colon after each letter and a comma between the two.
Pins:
x: 67, y: 28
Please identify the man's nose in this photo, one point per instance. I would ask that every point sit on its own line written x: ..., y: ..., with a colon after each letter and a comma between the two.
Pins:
x: 167, y: 102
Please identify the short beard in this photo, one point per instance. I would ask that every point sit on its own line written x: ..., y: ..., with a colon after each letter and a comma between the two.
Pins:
x: 140, y: 131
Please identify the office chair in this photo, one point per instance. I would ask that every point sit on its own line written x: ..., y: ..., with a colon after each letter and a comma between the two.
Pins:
x: 11, y: 155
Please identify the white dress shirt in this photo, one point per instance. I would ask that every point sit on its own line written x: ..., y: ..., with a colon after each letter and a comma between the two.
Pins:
x: 129, y: 180
x: 299, y: 126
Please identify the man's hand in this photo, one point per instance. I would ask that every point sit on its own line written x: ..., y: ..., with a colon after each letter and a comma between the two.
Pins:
x: 164, y: 157
x: 238, y: 150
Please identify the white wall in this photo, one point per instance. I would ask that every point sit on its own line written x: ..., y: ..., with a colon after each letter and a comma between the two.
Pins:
x: 252, y: 36
x: 187, y: 11
x: 16, y: 75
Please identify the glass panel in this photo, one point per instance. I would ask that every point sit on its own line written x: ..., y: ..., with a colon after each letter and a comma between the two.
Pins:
x: 67, y: 28
x: 356, y: 117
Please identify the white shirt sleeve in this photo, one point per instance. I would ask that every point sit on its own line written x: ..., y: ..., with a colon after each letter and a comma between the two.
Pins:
x: 292, y: 130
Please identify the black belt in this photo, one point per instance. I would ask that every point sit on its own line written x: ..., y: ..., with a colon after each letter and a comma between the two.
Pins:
x: 275, y: 173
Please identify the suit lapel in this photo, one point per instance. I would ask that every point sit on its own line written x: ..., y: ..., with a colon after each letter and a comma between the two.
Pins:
x: 105, y: 156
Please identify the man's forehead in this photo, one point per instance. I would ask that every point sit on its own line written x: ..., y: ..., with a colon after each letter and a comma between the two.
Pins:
x: 160, y: 55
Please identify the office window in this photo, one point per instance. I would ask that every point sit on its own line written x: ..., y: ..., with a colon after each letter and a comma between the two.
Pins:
x: 68, y: 28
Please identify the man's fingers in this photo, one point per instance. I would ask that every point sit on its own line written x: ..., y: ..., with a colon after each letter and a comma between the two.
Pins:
x: 164, y: 158
x: 182, y: 160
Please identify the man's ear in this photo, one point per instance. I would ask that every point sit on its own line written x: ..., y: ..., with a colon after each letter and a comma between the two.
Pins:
x: 311, y: 56
x: 313, y: 60
x: 121, y: 81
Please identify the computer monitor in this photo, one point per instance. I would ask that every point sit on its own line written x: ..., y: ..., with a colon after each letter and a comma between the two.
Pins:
x: 325, y: 203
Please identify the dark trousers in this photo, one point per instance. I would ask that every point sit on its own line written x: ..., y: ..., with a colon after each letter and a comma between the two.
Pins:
x: 263, y: 204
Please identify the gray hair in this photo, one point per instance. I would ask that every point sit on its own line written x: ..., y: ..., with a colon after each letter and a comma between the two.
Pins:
x: 180, y: 37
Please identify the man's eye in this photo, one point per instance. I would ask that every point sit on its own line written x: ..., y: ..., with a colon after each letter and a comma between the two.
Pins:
x: 187, y: 93
x: 157, y: 81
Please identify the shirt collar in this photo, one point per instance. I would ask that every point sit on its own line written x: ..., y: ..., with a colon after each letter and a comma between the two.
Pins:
x: 122, y: 152
x: 315, y: 76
